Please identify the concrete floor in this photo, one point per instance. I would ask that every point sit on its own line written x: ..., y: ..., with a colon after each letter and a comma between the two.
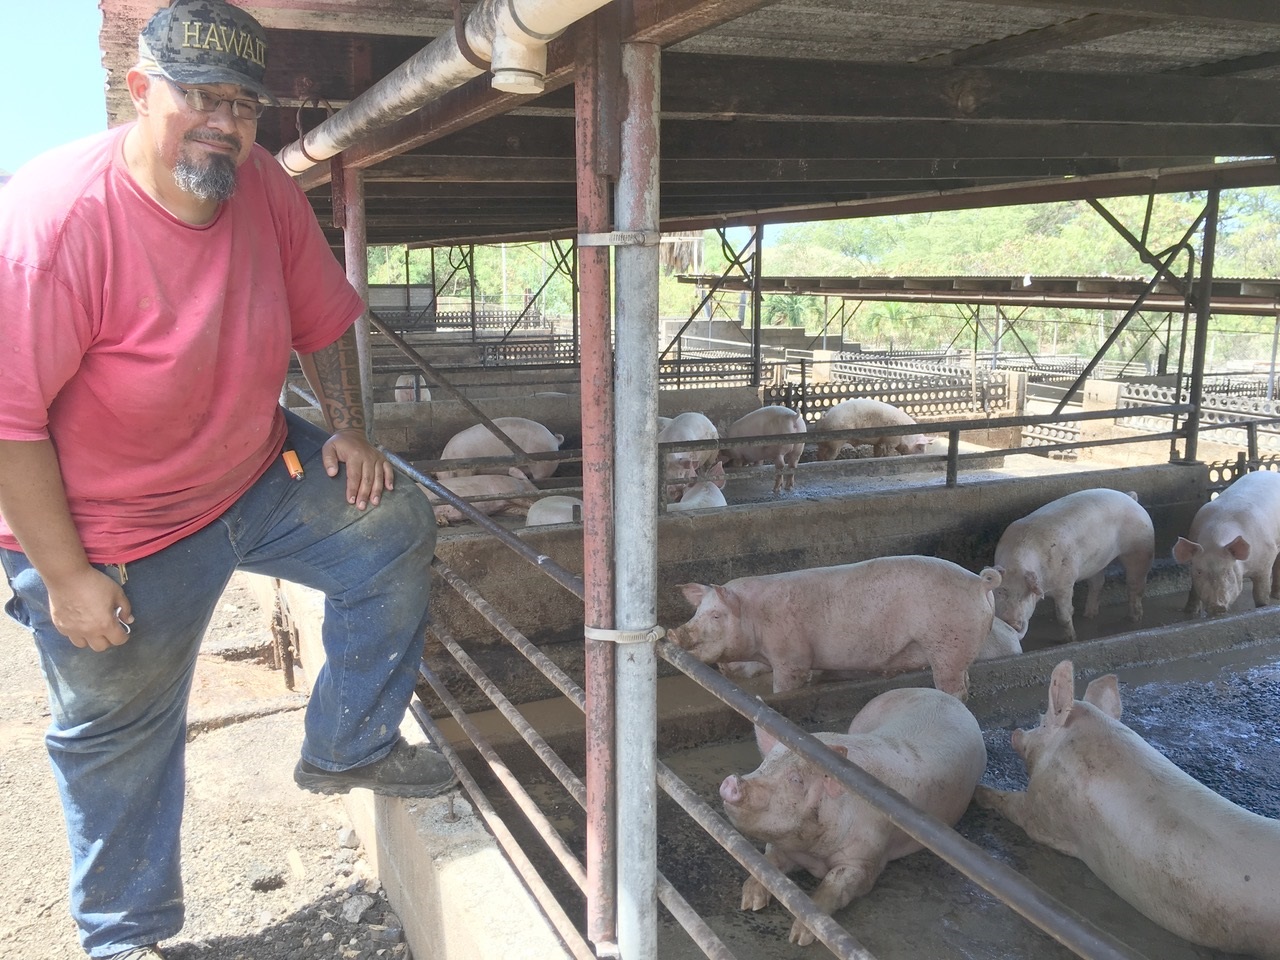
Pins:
x: 1212, y: 713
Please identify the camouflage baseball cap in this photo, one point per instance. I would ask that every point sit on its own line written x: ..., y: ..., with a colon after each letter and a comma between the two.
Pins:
x: 206, y: 41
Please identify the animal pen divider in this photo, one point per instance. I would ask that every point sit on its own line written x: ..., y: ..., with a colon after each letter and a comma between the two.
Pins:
x: 1037, y: 907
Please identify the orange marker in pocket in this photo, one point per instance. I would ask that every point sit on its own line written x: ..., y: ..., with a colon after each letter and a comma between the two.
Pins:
x: 292, y: 464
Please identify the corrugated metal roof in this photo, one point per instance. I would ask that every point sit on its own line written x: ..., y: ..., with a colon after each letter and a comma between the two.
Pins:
x: 790, y: 106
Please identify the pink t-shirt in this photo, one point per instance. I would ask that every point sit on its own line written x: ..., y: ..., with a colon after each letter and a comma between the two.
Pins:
x: 152, y: 351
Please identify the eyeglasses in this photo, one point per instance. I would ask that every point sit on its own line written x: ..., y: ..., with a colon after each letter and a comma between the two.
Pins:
x: 205, y: 102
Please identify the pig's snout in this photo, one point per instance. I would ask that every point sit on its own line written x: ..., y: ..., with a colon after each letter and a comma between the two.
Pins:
x: 731, y: 789
x: 677, y: 636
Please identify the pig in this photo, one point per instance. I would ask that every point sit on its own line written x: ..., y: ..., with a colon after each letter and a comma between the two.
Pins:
x: 554, y: 509
x: 1067, y: 540
x: 869, y: 615
x: 922, y: 743
x: 684, y: 465
x: 510, y: 487
x: 405, y: 385
x: 1001, y: 641
x: 864, y: 412
x: 478, y: 441
x: 1185, y: 857
x: 783, y: 456
x: 1234, y: 537
x: 703, y: 494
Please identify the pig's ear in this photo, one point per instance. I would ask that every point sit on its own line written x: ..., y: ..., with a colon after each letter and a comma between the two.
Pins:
x: 765, y: 740
x: 693, y: 592
x: 1062, y: 696
x: 716, y: 474
x: 1033, y: 584
x: 1104, y: 693
x: 1239, y: 548
x: 1185, y: 550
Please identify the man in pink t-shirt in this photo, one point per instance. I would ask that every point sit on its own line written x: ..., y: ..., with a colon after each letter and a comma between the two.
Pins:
x: 154, y: 281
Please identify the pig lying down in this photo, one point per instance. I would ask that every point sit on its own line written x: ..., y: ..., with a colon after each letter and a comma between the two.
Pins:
x: 1234, y: 538
x: 554, y: 509
x: 1186, y: 858
x: 478, y: 441
x: 886, y: 614
x: 1070, y: 539
x: 703, y: 494
x: 922, y: 743
x: 865, y: 413
x: 516, y: 495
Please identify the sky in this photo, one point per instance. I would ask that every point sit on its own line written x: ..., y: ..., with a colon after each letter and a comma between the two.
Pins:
x: 51, y: 68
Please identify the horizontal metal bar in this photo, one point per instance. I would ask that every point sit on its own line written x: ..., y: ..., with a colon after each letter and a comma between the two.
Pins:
x: 1033, y: 904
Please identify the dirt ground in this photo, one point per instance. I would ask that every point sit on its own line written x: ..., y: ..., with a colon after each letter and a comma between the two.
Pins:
x: 268, y: 869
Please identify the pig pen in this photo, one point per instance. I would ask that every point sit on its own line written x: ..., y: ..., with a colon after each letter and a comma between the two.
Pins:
x: 921, y: 907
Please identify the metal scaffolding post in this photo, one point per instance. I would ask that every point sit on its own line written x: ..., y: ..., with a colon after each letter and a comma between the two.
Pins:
x: 597, y: 79
x: 356, y: 251
x: 636, y: 440
x: 1204, y: 295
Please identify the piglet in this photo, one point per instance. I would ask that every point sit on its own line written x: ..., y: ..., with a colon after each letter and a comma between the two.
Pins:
x: 1069, y: 539
x: 1234, y: 538
x: 922, y: 743
x: 1188, y: 859
x: 880, y: 614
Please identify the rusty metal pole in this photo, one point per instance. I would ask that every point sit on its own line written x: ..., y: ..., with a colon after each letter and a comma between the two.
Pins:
x: 636, y: 514
x: 356, y: 248
x: 597, y: 78
x: 1204, y: 293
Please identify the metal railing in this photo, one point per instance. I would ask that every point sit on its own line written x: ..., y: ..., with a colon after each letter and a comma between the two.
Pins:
x: 1037, y: 907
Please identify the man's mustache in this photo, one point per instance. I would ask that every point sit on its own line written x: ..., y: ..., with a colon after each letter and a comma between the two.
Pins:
x: 226, y: 139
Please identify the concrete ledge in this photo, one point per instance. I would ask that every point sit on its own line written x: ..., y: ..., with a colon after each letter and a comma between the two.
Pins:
x: 449, y: 882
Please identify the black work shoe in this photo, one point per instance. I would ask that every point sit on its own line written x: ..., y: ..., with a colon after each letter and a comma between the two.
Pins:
x: 407, y: 771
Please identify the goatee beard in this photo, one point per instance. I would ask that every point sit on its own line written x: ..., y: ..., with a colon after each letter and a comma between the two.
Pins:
x: 214, y: 179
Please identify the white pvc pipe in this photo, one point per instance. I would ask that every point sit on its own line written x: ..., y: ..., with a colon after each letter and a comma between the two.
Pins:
x: 511, y: 34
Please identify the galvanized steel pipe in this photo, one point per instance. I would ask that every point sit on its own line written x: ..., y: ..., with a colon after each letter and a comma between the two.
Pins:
x: 635, y: 503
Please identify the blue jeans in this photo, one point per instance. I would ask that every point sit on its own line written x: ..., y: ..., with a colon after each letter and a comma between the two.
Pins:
x: 118, y: 729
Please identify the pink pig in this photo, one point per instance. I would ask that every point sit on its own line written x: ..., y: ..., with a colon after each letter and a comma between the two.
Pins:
x: 1069, y: 539
x: 1186, y: 858
x: 870, y: 615
x: 922, y: 743
x: 864, y: 413
x: 478, y: 441
x: 1234, y: 538
x: 516, y: 491
x: 783, y: 456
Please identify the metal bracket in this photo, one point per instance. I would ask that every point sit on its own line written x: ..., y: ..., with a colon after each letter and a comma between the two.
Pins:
x: 620, y: 238
x: 650, y: 635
